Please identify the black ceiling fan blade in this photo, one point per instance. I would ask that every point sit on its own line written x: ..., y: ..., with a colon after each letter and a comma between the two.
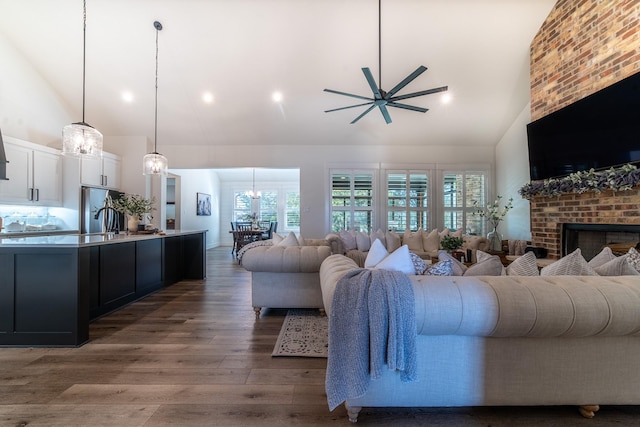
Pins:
x: 385, y: 113
x: 421, y: 93
x: 363, y: 114
x: 350, y: 106
x: 348, y: 94
x: 421, y: 69
x: 372, y: 83
x: 407, y: 107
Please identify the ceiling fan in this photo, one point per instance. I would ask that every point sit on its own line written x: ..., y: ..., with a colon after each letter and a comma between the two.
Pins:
x: 381, y: 98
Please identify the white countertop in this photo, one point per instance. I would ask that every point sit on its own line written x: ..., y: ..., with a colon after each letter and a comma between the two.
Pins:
x: 82, y: 240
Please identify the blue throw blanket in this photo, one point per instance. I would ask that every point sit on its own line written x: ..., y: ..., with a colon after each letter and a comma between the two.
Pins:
x: 372, y: 322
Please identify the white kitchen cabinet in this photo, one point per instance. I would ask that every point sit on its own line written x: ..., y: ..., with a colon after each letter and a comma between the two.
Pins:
x: 104, y: 172
x: 34, y: 174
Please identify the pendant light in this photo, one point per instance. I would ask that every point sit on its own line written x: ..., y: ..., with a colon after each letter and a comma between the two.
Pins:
x: 253, y: 194
x: 155, y: 163
x: 81, y: 139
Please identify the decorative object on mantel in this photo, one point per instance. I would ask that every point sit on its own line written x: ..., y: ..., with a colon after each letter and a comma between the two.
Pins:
x: 135, y: 207
x: 81, y: 139
x: 622, y: 178
x: 155, y: 163
x: 494, y: 215
x: 382, y: 99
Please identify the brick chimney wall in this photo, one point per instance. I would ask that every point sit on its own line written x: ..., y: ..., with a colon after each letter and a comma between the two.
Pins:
x: 582, y: 47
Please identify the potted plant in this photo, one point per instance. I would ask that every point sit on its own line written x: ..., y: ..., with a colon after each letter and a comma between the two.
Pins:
x: 135, y: 207
x: 451, y: 243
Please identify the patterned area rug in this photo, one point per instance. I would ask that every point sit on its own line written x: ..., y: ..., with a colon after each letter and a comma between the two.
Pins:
x: 304, y: 333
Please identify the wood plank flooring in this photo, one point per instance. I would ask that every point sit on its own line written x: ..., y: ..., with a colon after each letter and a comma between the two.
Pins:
x: 194, y: 355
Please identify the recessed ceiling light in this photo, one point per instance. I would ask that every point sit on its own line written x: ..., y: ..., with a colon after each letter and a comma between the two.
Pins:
x: 446, y: 98
x: 127, y: 96
x: 277, y: 96
x: 207, y: 97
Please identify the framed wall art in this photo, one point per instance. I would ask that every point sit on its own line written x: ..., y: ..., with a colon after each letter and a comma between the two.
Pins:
x: 204, y: 204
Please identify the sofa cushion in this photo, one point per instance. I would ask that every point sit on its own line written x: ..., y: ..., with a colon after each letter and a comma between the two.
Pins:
x: 491, y: 266
x: 573, y: 264
x: 413, y: 240
x: 348, y: 240
x: 363, y: 241
x: 618, y: 266
x: 285, y: 259
x: 525, y: 265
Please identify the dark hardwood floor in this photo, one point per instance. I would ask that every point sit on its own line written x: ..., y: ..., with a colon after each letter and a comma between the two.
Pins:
x: 194, y: 355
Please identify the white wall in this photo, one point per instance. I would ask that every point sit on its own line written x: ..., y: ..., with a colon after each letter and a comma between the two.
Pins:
x: 512, y: 172
x: 191, y: 183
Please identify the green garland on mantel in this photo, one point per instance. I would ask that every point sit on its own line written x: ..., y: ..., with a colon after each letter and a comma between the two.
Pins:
x: 617, y: 179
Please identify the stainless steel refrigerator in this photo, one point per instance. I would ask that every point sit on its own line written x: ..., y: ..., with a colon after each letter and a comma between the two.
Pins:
x: 98, y: 216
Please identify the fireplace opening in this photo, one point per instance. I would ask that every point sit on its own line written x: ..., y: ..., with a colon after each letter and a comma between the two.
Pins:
x: 592, y: 238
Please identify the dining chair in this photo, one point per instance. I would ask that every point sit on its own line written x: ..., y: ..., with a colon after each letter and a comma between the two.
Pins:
x: 244, y: 235
x: 233, y: 229
x: 269, y: 233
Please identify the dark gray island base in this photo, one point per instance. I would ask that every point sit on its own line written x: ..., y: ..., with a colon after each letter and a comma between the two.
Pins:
x: 52, y: 287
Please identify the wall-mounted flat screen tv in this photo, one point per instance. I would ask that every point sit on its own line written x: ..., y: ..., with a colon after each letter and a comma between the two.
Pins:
x: 598, y: 131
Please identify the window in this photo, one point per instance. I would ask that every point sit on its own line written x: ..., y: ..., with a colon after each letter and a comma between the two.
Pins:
x: 352, y: 200
x: 407, y: 200
x: 292, y: 210
x: 460, y: 189
x: 241, y: 206
x: 268, y: 210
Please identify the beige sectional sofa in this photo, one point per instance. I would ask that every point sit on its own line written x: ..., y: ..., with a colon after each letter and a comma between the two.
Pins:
x: 510, y: 340
x: 286, y: 276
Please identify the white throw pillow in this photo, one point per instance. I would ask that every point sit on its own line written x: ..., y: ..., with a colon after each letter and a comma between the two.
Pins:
x: 602, y: 258
x: 398, y: 260
x: 276, y: 238
x: 376, y: 254
x: 363, y: 241
x: 619, y: 266
x: 379, y: 235
x: 573, y: 264
x: 290, y: 240
x: 525, y: 265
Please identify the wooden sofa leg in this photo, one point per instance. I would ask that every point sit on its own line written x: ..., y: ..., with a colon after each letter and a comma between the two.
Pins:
x: 353, y: 412
x: 257, y: 311
x: 588, y: 411
x: 322, y: 312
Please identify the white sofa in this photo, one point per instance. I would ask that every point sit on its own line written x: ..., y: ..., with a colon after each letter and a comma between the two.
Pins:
x: 513, y: 340
x: 286, y: 276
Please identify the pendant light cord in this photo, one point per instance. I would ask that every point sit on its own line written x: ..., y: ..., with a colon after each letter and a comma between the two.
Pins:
x: 158, y: 27
x: 84, y: 54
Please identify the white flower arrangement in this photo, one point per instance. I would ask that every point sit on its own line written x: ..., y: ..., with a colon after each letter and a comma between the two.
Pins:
x: 492, y: 213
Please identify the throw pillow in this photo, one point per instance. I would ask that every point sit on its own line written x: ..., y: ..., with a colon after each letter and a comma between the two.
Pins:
x: 573, y: 264
x: 491, y: 266
x: 602, y: 258
x: 440, y: 268
x: 633, y: 258
x: 443, y: 233
x: 376, y: 254
x: 290, y: 240
x: 482, y: 256
x: 525, y: 265
x: 348, y: 240
x: 457, y: 267
x: 398, y: 260
x: 418, y: 263
x: 619, y: 266
x: 413, y: 240
x: 276, y: 238
x: 457, y: 233
x: 431, y: 241
x: 393, y: 240
x: 378, y: 235
x: 363, y: 241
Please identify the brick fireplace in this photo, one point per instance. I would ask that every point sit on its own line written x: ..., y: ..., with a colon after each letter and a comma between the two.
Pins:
x: 550, y: 214
x: 583, y: 46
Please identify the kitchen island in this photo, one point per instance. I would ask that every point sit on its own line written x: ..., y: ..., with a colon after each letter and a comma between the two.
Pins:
x: 52, y: 287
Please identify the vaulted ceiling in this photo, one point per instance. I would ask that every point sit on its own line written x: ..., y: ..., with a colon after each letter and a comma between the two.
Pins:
x: 242, y: 51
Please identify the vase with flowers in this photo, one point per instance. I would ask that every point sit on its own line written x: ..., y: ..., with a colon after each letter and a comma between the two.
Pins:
x: 135, y: 207
x: 494, y: 215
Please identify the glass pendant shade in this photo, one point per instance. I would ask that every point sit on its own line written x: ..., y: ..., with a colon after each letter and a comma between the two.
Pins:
x: 154, y: 164
x: 80, y: 139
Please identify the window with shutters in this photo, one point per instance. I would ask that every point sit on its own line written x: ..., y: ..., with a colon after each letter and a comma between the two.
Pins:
x: 352, y: 200
x: 408, y: 197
